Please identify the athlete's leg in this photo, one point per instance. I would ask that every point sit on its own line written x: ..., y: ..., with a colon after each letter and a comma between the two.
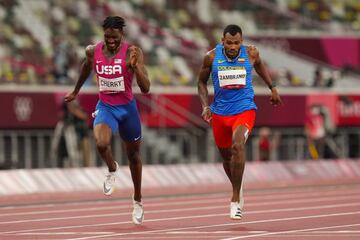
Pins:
x: 135, y: 164
x: 103, y: 134
x: 238, y: 159
x: 241, y: 129
x: 234, y: 160
x: 233, y: 163
x: 226, y: 138
x: 104, y: 125
x: 226, y: 154
x: 226, y: 157
x: 223, y: 140
x: 130, y: 132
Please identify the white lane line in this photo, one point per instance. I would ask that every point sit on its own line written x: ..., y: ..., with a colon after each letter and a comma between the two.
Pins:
x: 308, y: 192
x: 127, y: 206
x: 340, y: 231
x: 213, y: 232
x: 297, y: 235
x: 121, y: 201
x: 223, y: 225
x: 190, y: 217
x: 111, y: 215
x: 65, y: 233
x: 166, y: 237
x: 194, y: 209
x: 289, y: 231
x: 263, y: 203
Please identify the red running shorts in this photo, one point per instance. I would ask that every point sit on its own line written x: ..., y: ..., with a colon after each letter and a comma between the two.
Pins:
x: 224, y: 126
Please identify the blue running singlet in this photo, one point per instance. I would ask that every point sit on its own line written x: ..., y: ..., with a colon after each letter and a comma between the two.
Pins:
x: 232, y: 80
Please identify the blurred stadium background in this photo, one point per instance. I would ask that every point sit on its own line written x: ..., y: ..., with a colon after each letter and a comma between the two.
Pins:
x: 312, y: 49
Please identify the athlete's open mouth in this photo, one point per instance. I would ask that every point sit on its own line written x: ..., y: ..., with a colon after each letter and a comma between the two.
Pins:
x: 111, y: 45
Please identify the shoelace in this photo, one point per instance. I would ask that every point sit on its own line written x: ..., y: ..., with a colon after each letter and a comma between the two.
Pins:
x: 138, y: 208
x: 110, y: 179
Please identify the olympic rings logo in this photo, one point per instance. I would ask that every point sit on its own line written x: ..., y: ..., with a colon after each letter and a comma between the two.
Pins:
x: 23, y: 107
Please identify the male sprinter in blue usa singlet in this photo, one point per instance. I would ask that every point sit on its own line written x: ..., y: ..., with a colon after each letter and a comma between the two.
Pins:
x: 232, y: 114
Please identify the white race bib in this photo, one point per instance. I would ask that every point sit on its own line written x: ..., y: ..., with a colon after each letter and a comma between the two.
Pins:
x: 113, y: 85
x: 234, y: 78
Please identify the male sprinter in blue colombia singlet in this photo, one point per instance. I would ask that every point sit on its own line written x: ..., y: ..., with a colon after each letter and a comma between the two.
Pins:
x: 232, y: 114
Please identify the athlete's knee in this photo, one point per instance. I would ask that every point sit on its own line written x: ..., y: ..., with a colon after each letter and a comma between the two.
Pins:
x: 226, y: 160
x: 134, y: 156
x: 103, y: 136
x: 102, y: 144
x: 238, y: 148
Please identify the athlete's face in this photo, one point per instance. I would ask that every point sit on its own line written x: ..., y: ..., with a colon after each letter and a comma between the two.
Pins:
x: 232, y: 44
x: 112, y: 37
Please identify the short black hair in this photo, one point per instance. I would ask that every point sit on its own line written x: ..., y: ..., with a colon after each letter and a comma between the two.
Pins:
x: 232, y: 29
x: 114, y: 22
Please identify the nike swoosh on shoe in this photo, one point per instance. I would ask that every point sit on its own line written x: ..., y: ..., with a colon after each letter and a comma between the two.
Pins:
x: 106, y: 190
x: 139, y: 220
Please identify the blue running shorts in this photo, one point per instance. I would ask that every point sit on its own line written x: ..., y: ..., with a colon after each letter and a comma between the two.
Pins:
x: 122, y: 118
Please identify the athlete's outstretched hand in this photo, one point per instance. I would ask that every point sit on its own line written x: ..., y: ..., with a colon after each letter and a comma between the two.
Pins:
x: 70, y: 97
x: 206, y: 114
x: 275, y: 97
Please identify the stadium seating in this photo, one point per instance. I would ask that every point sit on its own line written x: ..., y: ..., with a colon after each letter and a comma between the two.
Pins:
x: 42, y: 41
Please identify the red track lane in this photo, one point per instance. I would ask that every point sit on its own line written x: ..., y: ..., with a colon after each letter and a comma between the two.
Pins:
x: 294, y: 211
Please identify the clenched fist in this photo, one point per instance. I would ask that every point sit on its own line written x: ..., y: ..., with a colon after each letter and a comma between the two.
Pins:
x: 70, y: 97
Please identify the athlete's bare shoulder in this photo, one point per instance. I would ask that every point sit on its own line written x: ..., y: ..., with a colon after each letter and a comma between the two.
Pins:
x: 209, y: 57
x: 89, y: 51
x: 205, y: 69
x: 211, y: 53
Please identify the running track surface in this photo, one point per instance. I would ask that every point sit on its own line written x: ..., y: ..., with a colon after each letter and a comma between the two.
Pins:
x: 300, y: 211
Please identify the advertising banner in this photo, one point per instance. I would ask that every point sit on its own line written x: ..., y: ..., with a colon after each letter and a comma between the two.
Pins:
x: 349, y: 110
x: 42, y: 110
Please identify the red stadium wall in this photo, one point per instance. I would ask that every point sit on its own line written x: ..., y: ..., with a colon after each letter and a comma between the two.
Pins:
x: 20, y: 110
x: 28, y: 110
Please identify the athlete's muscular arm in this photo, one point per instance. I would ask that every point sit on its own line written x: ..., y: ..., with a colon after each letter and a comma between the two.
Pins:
x: 260, y: 68
x: 136, y: 63
x: 85, y: 70
x: 203, y: 78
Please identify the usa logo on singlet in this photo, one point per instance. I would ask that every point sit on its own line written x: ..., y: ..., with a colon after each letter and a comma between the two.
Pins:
x: 108, y: 69
x: 113, y: 78
x: 110, y: 84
